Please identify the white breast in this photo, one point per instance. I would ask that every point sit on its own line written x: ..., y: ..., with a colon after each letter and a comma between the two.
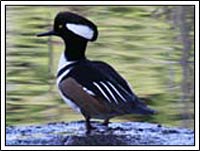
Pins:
x: 63, y: 62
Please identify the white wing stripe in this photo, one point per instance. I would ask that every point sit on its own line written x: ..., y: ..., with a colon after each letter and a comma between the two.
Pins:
x: 109, y: 92
x: 88, y: 91
x: 101, y: 91
x: 116, y: 91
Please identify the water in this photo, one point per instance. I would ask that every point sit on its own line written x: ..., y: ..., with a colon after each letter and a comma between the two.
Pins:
x: 139, y: 45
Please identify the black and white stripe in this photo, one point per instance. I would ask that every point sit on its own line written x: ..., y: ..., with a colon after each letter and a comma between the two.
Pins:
x: 111, y: 92
x: 63, y: 72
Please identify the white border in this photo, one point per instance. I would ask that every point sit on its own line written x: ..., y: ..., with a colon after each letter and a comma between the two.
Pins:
x: 99, y: 2
x: 3, y: 3
x: 197, y: 75
x: 2, y: 76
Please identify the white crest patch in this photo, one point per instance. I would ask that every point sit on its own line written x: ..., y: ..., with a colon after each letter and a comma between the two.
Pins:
x: 81, y: 30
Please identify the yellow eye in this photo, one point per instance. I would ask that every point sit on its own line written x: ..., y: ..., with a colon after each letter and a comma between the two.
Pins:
x: 60, y: 26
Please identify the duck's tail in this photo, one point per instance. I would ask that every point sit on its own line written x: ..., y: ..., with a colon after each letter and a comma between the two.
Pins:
x: 141, y: 108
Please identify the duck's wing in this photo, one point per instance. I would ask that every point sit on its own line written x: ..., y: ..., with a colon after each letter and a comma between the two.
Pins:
x: 100, y: 80
x: 113, y: 75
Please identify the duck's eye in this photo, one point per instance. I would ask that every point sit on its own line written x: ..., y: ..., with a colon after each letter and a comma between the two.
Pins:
x: 60, y: 26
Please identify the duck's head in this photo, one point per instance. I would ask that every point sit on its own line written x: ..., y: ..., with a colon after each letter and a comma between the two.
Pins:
x: 72, y: 26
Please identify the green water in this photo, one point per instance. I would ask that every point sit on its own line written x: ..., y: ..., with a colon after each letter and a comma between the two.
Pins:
x: 137, y: 43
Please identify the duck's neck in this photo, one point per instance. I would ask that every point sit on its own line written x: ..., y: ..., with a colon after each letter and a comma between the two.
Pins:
x: 75, y: 49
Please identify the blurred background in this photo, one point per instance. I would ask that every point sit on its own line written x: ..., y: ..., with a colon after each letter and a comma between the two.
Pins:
x: 151, y: 46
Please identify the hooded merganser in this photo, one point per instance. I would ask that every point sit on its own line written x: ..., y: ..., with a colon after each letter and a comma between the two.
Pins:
x: 93, y: 88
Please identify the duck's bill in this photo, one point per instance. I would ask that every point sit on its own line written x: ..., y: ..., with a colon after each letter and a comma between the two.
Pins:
x: 49, y: 33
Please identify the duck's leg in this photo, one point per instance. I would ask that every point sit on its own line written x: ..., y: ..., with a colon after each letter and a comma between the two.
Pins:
x: 88, y: 125
x: 106, y: 122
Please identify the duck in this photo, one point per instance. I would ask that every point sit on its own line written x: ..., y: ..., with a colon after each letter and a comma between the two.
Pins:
x: 91, y: 87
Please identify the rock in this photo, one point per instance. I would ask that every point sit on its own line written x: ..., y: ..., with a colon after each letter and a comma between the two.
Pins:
x: 73, y: 133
